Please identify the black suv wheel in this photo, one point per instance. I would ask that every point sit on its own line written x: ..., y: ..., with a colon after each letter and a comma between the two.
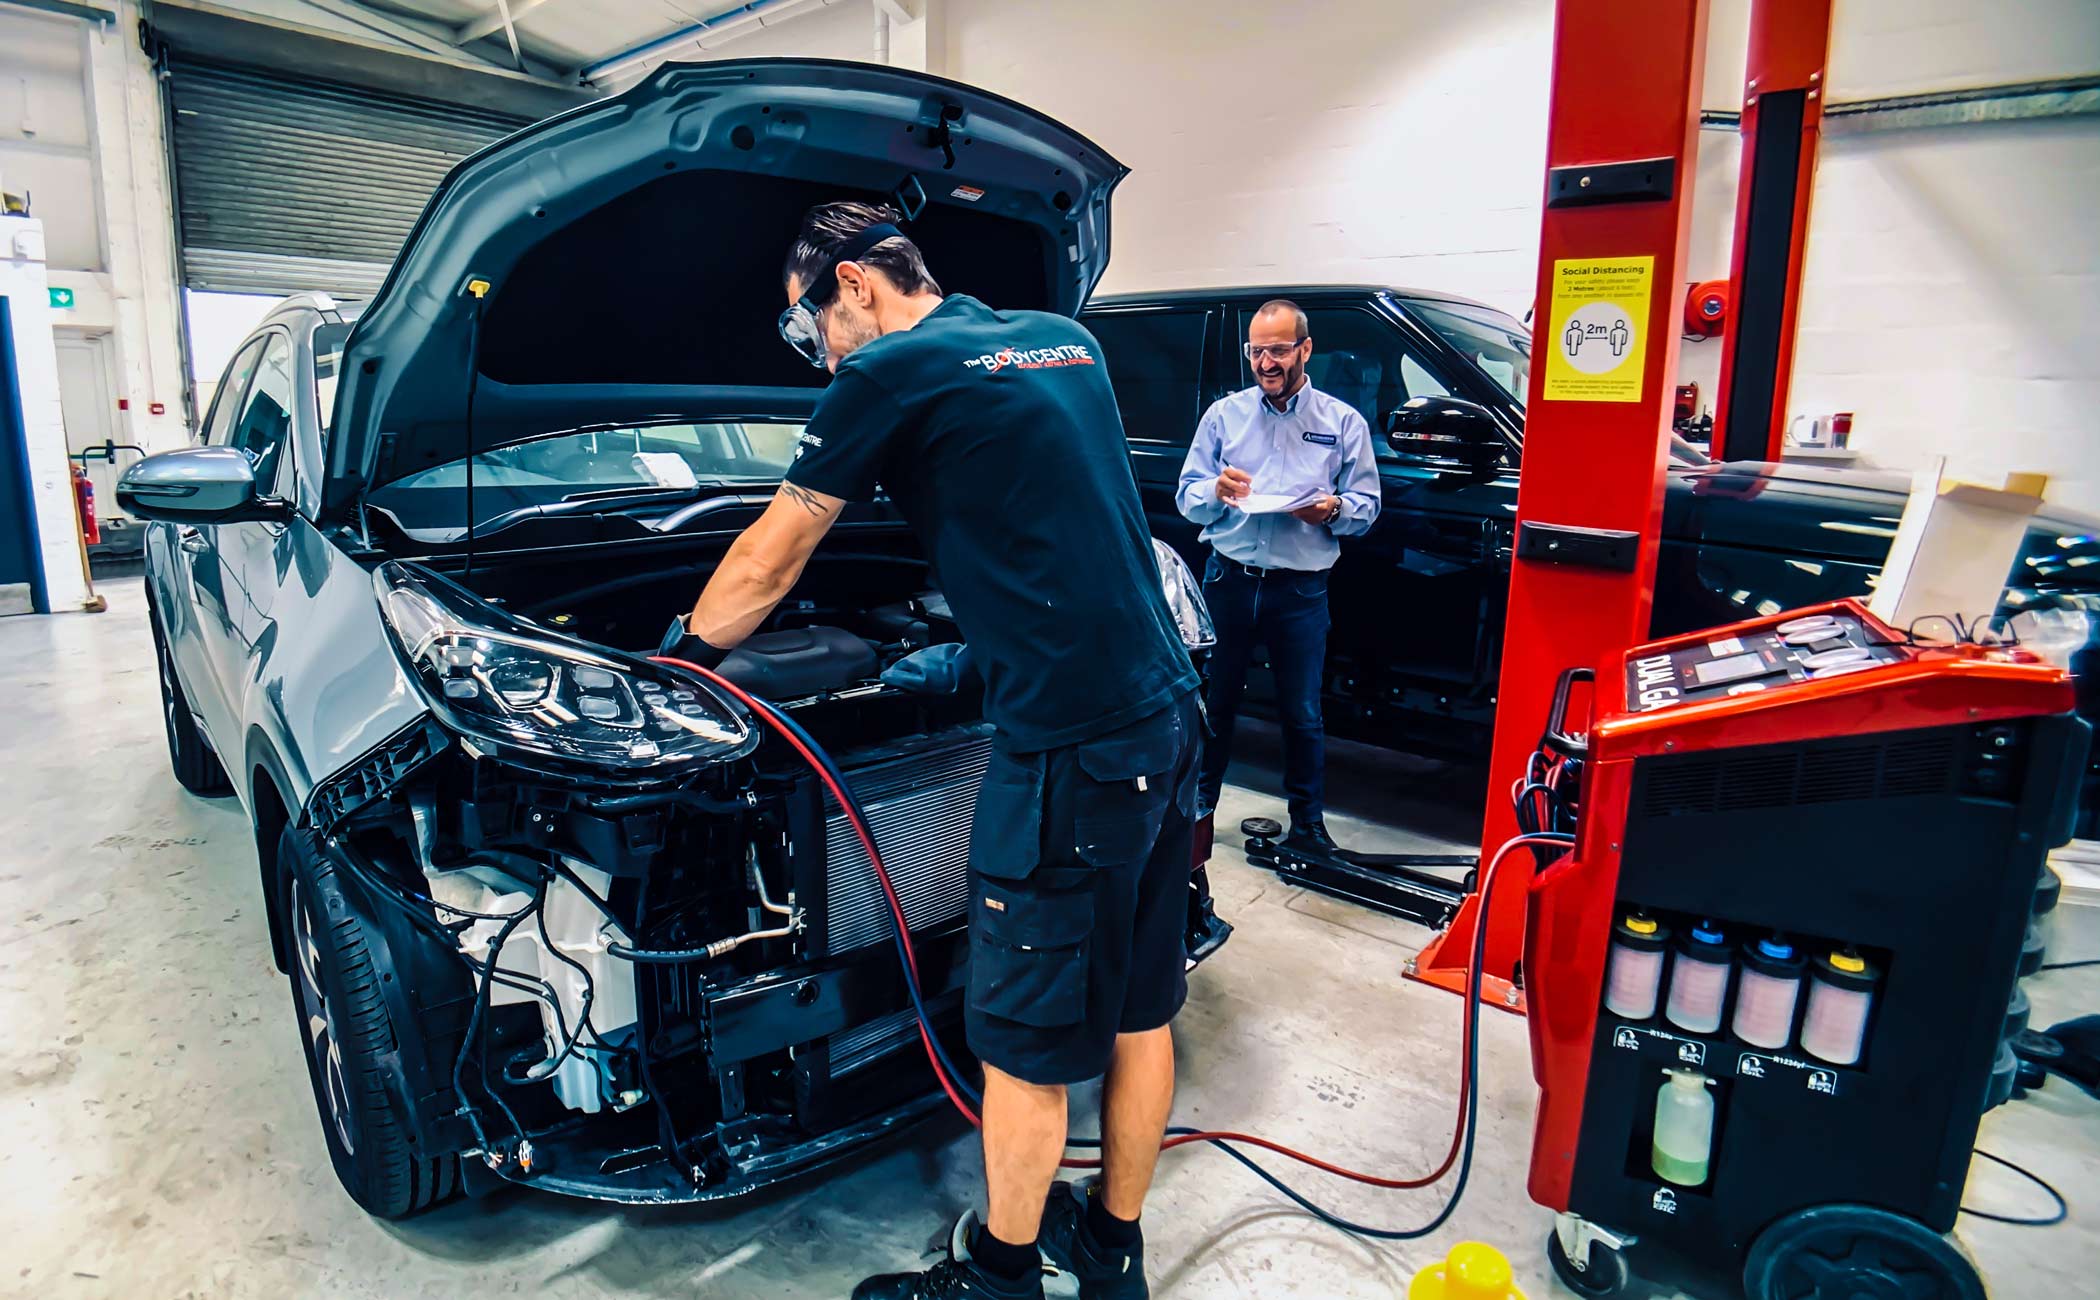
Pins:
x: 197, y: 769
x: 349, y: 1040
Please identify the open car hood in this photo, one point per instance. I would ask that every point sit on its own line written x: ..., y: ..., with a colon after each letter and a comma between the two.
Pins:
x: 631, y: 252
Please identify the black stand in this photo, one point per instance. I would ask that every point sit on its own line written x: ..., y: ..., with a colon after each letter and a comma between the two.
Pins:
x: 1393, y: 883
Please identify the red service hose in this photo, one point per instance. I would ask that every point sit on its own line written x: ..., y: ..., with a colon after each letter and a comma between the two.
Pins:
x: 867, y: 843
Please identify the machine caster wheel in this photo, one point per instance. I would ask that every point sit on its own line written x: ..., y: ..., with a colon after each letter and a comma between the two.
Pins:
x: 1606, y: 1275
x: 1261, y: 828
x: 1837, y: 1252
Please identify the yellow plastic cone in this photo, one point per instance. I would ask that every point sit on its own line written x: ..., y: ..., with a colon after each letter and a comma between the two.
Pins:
x: 1472, y: 1271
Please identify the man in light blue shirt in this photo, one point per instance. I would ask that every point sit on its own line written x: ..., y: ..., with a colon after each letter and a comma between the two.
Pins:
x: 1276, y: 474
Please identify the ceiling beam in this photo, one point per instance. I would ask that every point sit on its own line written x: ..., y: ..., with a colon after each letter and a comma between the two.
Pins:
x: 435, y: 40
x: 494, y: 21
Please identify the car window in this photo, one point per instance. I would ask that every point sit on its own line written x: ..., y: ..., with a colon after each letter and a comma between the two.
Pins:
x: 328, y: 361
x: 266, y: 414
x: 1364, y: 360
x: 593, y: 462
x: 1155, y: 364
x: 1495, y: 341
x: 233, y: 385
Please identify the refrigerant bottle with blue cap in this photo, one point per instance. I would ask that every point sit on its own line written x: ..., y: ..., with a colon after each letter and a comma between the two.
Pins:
x: 1770, y: 988
x: 1699, y: 979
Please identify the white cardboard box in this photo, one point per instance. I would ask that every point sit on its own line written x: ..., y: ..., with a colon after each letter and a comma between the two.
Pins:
x: 1955, y: 549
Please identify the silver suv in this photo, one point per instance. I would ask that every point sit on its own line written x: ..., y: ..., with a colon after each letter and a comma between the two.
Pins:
x: 543, y: 903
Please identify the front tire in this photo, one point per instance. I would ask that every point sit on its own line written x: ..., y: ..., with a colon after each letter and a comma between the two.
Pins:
x: 197, y: 769
x: 349, y: 1039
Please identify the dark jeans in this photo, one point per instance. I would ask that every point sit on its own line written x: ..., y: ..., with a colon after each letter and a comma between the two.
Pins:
x: 1286, y: 611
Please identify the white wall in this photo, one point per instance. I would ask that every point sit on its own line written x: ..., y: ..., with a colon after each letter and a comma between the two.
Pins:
x: 1948, y: 288
x: 80, y: 128
x: 1947, y: 292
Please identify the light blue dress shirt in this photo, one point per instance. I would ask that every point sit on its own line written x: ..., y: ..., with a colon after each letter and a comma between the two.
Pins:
x: 1315, y: 441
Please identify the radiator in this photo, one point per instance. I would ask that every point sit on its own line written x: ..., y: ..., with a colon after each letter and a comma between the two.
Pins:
x: 919, y: 806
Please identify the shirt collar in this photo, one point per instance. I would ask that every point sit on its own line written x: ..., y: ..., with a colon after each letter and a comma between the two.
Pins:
x: 1290, y: 404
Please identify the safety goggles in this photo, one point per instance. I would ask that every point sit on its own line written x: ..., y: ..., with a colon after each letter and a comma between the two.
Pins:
x: 1273, y: 351
x: 801, y: 324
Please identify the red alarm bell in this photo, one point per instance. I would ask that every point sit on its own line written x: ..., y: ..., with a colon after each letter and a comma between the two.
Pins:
x: 1706, y: 308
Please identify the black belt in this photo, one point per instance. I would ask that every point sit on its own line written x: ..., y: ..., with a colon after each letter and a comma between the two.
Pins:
x: 1256, y: 572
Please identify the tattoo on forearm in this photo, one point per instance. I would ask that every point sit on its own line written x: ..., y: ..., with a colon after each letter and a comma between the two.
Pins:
x: 803, y: 497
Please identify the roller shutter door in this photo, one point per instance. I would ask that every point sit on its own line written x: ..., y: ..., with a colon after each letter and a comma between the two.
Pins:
x: 285, y: 185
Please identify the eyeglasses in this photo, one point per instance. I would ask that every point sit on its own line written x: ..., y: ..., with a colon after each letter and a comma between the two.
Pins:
x: 1273, y: 351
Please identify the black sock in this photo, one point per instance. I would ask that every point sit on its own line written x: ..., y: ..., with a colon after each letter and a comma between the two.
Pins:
x: 1105, y: 1228
x: 1004, y: 1259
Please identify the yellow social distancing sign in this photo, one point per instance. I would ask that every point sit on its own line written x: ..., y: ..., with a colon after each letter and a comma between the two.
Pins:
x: 1596, y: 344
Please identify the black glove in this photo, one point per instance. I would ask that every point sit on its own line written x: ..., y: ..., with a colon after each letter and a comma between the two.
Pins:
x: 678, y: 643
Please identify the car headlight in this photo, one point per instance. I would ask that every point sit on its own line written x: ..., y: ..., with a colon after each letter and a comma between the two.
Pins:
x: 1184, y: 598
x: 494, y: 679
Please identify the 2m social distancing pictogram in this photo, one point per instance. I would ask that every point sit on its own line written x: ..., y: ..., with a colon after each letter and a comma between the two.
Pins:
x: 1596, y: 347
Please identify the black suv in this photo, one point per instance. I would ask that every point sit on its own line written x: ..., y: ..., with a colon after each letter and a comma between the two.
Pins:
x: 1418, y: 602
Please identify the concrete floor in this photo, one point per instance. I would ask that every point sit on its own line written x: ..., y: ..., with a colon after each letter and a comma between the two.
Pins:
x: 158, y: 1138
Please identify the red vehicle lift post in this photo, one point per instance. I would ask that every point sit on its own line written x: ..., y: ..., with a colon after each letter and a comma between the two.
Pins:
x: 1782, y: 125
x: 1622, y: 136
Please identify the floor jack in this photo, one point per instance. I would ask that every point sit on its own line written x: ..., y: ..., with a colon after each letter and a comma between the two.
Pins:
x: 1406, y: 885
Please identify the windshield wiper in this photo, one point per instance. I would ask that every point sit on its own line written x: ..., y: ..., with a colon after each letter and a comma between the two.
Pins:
x: 638, y: 493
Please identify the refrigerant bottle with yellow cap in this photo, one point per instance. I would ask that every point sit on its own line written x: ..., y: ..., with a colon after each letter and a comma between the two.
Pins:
x: 1840, y: 998
x: 1633, y: 978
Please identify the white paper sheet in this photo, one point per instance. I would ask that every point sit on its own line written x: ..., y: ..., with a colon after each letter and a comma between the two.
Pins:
x: 1268, y: 503
x: 666, y: 469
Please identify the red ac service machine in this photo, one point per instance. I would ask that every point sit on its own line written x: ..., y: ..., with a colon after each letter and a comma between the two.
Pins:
x: 1770, y: 986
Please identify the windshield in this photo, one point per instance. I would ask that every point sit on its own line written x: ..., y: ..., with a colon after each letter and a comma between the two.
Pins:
x: 1491, y: 340
x: 589, y: 464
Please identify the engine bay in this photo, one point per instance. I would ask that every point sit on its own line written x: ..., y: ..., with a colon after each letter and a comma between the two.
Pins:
x: 669, y: 980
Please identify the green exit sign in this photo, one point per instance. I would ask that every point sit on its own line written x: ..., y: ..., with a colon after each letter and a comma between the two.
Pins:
x: 61, y: 299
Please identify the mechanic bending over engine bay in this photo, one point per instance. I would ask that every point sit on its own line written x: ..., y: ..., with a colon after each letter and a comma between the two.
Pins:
x: 997, y: 436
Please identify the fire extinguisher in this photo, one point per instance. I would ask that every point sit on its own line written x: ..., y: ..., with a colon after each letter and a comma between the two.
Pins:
x: 84, y: 494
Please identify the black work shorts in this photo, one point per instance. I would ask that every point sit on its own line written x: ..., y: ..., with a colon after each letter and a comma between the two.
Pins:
x: 1079, y: 882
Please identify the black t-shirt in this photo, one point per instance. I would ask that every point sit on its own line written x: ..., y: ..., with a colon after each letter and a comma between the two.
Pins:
x: 996, y: 435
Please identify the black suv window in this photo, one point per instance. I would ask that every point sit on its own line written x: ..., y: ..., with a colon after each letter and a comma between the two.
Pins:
x: 266, y: 414
x: 1155, y: 363
x: 1365, y: 361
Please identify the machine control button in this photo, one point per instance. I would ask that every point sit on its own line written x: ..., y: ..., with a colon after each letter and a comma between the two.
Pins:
x: 1844, y: 654
x: 1807, y: 624
x: 1839, y: 670
x: 1746, y: 688
x: 1815, y: 636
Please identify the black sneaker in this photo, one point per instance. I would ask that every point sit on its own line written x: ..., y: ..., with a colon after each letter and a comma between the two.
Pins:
x: 1311, y: 837
x: 1080, y: 1267
x: 957, y: 1277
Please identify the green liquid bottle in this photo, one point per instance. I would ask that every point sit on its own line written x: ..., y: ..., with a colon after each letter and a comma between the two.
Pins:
x: 1684, y: 1129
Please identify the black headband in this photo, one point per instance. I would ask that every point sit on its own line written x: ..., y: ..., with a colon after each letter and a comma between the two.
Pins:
x: 824, y: 284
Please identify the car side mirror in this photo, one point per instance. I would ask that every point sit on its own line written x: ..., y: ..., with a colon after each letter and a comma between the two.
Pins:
x: 1445, y: 431
x: 197, y: 485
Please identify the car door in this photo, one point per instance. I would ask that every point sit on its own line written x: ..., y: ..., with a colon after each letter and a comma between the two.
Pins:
x: 250, y: 552
x: 1159, y: 360
x: 1417, y: 602
x: 200, y: 618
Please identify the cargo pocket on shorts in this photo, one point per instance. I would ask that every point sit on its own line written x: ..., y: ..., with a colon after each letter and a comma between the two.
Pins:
x: 1029, y: 942
x: 1029, y: 922
x: 1119, y: 807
